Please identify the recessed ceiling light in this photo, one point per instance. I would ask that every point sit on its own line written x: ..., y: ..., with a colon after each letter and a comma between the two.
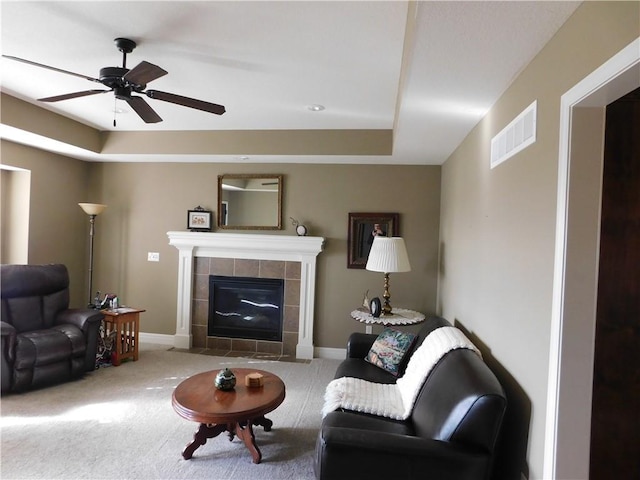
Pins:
x: 119, y: 110
x: 316, y: 107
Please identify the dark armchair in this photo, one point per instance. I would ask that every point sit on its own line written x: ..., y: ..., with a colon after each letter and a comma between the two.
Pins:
x: 43, y: 341
x: 451, y: 434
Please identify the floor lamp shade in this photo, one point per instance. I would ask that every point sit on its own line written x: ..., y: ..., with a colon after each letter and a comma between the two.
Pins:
x: 388, y: 254
x: 93, y: 210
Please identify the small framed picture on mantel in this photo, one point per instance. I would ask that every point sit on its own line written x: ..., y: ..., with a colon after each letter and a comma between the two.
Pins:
x: 199, y: 220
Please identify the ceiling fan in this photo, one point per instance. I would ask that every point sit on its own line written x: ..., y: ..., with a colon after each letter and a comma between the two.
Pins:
x: 123, y: 82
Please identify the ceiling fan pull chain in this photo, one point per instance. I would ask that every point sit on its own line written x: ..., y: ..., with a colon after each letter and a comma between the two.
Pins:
x: 115, y: 111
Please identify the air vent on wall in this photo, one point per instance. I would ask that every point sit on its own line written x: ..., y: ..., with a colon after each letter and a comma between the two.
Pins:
x: 516, y: 136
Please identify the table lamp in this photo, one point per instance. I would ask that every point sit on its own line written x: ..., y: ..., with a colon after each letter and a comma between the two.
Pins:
x: 93, y: 210
x: 388, y: 254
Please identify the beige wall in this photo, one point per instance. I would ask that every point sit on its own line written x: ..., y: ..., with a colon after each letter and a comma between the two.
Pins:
x: 31, y: 118
x: 498, y: 226
x: 14, y: 228
x: 148, y: 200
x: 58, y: 228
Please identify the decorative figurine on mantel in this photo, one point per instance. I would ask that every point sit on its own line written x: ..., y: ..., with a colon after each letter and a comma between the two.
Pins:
x: 301, y: 230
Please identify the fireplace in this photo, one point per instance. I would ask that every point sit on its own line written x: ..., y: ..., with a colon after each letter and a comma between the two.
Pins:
x: 241, y: 270
x: 298, y: 254
x: 246, y: 307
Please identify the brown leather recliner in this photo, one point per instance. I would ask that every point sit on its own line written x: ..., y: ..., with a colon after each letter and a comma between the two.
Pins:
x: 43, y: 341
x: 451, y: 434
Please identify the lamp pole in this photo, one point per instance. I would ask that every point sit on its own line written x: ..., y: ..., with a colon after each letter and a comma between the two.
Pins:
x: 93, y: 210
x: 92, y: 223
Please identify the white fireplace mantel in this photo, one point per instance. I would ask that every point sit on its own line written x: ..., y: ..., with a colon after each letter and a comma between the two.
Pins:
x: 248, y: 246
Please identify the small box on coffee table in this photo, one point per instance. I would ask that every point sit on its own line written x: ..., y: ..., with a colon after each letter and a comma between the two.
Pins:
x: 254, y: 380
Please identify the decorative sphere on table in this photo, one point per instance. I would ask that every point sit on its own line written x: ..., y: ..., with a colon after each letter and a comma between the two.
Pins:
x: 225, y: 380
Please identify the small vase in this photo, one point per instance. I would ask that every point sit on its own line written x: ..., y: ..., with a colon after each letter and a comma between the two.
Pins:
x: 225, y: 380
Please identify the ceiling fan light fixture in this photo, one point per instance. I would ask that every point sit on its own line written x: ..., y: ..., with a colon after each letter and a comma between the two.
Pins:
x: 122, y: 93
x: 316, y: 107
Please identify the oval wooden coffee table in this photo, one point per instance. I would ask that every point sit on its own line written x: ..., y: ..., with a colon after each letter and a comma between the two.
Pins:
x: 235, y: 411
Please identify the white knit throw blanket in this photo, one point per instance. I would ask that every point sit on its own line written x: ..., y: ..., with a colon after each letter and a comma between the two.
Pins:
x: 395, y: 400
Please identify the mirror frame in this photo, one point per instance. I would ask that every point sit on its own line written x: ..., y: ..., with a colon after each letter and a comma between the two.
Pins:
x: 269, y: 176
x: 358, y: 223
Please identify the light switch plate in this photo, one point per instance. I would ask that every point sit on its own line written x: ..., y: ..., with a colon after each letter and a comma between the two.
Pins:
x: 153, y: 256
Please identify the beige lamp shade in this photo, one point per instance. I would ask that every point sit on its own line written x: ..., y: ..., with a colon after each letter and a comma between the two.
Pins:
x: 387, y: 255
x: 92, y: 208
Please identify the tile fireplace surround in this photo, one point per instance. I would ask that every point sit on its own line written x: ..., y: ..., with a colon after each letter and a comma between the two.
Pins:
x: 203, y: 253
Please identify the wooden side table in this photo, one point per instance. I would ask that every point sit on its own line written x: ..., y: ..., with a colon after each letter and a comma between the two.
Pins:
x: 125, y: 322
x: 399, y: 316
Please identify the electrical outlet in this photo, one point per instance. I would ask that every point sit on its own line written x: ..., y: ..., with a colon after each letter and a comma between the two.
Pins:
x: 153, y: 257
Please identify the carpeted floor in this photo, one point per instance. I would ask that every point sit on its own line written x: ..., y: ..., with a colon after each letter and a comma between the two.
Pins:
x: 118, y: 423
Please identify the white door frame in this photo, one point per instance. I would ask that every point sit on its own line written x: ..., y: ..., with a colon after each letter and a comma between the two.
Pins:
x: 613, y: 79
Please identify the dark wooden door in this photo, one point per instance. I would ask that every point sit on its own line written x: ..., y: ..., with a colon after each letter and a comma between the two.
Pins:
x: 615, y: 423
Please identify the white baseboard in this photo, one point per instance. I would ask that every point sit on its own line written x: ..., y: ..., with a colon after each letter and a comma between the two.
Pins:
x: 157, y: 338
x: 330, y: 353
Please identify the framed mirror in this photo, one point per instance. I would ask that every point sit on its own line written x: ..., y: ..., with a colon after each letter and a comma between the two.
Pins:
x: 250, y: 202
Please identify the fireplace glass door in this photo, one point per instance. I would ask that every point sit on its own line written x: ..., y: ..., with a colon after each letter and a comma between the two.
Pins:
x: 242, y: 307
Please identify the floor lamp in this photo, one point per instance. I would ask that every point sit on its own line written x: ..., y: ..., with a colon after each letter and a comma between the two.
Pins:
x: 93, y: 210
x: 388, y: 254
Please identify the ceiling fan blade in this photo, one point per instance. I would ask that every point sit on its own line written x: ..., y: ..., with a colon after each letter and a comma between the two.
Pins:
x: 68, y: 96
x: 36, y: 64
x: 186, y: 101
x: 143, y: 109
x: 144, y: 73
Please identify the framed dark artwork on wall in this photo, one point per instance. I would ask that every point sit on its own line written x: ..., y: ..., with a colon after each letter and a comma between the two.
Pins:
x: 199, y: 220
x: 363, y: 227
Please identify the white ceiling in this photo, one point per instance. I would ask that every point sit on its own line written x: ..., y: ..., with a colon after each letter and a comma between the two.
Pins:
x: 268, y: 61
